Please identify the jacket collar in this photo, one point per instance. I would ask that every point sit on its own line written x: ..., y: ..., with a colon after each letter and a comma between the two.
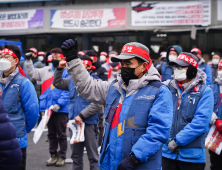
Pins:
x: 136, y: 84
x: 5, y: 81
x: 200, y: 78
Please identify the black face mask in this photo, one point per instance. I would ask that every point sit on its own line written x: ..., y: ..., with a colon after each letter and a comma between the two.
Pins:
x: 128, y: 74
x: 55, y: 63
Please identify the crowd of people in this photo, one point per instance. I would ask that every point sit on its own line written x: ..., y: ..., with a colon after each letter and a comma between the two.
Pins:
x: 139, y: 115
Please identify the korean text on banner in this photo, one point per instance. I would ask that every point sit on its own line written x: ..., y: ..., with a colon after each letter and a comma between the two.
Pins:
x: 12, y: 20
x: 213, y: 141
x: 88, y: 19
x: 171, y: 13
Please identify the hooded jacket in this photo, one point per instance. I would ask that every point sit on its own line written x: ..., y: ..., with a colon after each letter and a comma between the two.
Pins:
x: 206, y: 68
x: 191, y: 119
x: 10, y: 152
x: 166, y: 70
x: 49, y: 94
x: 100, y: 71
x: 155, y: 122
x: 63, y: 84
x: 21, y: 102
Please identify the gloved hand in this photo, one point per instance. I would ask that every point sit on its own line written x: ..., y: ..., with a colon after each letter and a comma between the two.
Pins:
x: 218, y: 124
x: 173, y: 146
x: 70, y: 49
x: 28, y: 56
x: 56, y: 108
x: 126, y: 164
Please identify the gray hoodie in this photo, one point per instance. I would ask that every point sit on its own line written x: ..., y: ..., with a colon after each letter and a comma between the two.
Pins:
x: 97, y: 90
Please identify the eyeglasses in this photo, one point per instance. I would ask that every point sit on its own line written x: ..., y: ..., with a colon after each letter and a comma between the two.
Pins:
x: 5, y: 56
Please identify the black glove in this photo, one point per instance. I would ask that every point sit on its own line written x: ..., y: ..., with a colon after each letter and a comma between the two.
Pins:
x: 70, y: 49
x: 28, y: 56
x: 126, y: 164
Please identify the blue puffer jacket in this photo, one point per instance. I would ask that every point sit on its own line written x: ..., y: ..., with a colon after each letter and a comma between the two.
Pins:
x: 190, y: 122
x: 217, y: 99
x: 54, y: 96
x: 21, y: 104
x: 166, y: 70
x: 206, y: 68
x: 10, y: 152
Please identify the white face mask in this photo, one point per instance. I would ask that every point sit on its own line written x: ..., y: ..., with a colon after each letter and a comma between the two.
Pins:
x: 215, y: 61
x: 102, y: 58
x: 172, y: 57
x: 5, y: 65
x: 40, y: 58
x: 219, y: 74
x: 180, y: 75
x: 115, y: 72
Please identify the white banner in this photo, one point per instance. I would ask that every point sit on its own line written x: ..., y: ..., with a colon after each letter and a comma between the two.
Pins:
x: 171, y: 13
x: 11, y: 20
x: 88, y: 19
x: 219, y: 11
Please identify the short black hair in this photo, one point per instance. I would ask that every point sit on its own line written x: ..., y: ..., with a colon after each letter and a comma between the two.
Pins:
x: 56, y: 50
x: 91, y: 53
x: 85, y: 57
x: 15, y: 49
x: 139, y: 60
x: 1, y: 48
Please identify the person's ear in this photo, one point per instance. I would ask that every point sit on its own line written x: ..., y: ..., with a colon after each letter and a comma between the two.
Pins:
x: 16, y: 61
x: 144, y: 66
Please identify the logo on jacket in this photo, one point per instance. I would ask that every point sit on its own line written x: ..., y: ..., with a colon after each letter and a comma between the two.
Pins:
x: 143, y: 7
x: 146, y: 97
x: 52, y: 87
x: 196, y: 88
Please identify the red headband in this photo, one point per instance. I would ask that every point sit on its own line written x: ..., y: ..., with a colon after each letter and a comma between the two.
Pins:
x: 220, y: 63
x: 59, y: 55
x: 11, y: 53
x: 115, y: 68
x: 195, y: 50
x: 81, y: 53
x: 93, y: 57
x: 41, y: 53
x: 104, y: 53
x: 188, y: 59
x: 112, y: 55
x: 87, y: 62
x: 138, y: 51
x: 172, y: 49
x: 34, y: 50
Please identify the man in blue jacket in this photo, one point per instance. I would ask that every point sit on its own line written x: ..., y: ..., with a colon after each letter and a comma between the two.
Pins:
x: 192, y: 108
x: 82, y: 110
x: 202, y: 65
x: 216, y: 119
x: 138, y: 108
x: 172, y: 54
x: 10, y: 152
x: 19, y: 96
x: 60, y: 101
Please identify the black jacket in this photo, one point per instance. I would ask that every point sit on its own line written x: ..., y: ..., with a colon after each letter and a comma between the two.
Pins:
x: 100, y: 71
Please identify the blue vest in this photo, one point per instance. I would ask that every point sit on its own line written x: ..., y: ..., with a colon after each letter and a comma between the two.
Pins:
x: 217, y: 99
x: 78, y: 103
x: 35, y: 64
x: 136, y: 123
x: 166, y: 72
x: 11, y: 99
x: 185, y: 113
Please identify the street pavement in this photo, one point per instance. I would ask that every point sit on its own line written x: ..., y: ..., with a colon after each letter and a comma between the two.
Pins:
x: 38, y: 154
